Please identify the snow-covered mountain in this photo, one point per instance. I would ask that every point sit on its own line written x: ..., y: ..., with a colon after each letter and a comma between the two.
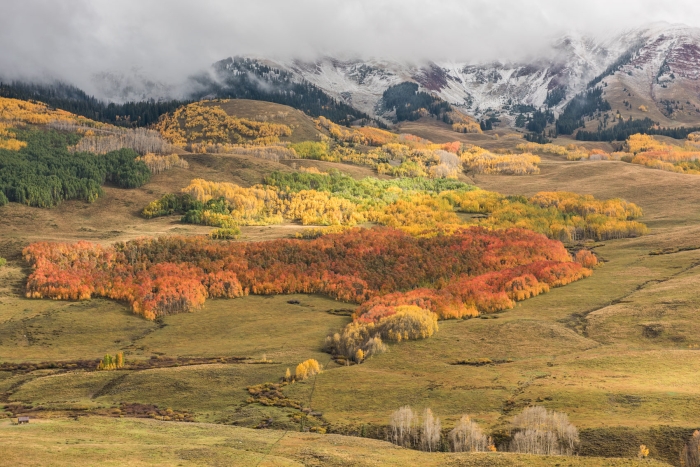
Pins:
x: 652, y: 66
x: 657, y: 55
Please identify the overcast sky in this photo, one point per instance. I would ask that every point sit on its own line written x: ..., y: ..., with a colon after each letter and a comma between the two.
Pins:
x: 167, y: 40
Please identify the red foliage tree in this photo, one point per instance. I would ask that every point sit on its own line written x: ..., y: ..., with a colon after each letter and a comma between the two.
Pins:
x: 475, y: 270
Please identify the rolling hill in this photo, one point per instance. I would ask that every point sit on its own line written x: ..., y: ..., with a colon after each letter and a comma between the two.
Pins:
x: 616, y: 351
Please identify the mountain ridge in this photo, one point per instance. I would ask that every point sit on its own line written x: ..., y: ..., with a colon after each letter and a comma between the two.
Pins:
x: 660, y: 49
x: 656, y: 67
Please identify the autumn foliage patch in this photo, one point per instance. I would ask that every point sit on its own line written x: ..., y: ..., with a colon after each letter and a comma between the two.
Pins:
x: 419, y: 206
x: 199, y: 125
x: 475, y: 270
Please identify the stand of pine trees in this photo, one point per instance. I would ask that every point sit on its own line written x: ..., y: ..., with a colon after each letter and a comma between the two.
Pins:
x: 627, y: 128
x: 45, y: 172
x: 70, y: 98
x: 582, y: 105
x: 411, y: 104
x: 240, y: 78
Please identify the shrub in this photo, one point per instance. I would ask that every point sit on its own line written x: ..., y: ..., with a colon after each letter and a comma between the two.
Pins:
x: 158, y: 164
x: 141, y: 140
x: 586, y: 258
x: 481, y: 161
x: 474, y: 270
x: 650, y: 152
x: 120, y: 360
x: 409, y: 322
x: 111, y: 363
x: 406, y: 322
x: 203, y: 123
x: 36, y: 113
x: 262, y: 205
x: 311, y: 150
x: 643, y: 452
x: 397, y: 155
x: 172, y: 203
x: 356, y: 337
x: 44, y: 172
x: 225, y: 233
x: 419, y: 206
x: 8, y: 139
x: 548, y: 148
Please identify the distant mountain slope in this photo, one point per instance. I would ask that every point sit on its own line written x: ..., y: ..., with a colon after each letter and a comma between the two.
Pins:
x: 66, y: 97
x: 230, y: 78
x: 663, y: 75
x: 242, y: 78
x: 652, y: 71
x: 475, y: 89
x: 662, y: 59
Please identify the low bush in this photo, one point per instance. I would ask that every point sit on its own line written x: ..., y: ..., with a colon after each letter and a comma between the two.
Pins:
x: 365, y: 339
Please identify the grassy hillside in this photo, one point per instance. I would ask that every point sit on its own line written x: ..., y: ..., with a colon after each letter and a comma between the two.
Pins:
x: 303, y: 126
x: 100, y: 441
x: 671, y: 107
x: 618, y: 352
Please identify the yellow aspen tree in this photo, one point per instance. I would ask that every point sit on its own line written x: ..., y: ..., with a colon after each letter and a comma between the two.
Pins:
x: 120, y: 359
x: 301, y: 372
x: 643, y: 452
x: 307, y: 369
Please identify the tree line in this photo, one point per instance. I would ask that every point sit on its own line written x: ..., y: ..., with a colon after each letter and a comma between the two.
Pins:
x: 555, y: 96
x: 45, y: 172
x: 411, y: 104
x: 474, y: 270
x: 626, y: 128
x: 623, y: 60
x: 418, y: 206
x: 582, y: 105
x: 535, y: 430
x: 72, y: 99
x: 236, y: 78
x: 243, y: 78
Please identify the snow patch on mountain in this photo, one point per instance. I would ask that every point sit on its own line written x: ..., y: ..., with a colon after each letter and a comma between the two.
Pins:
x: 574, y: 60
x: 662, y: 56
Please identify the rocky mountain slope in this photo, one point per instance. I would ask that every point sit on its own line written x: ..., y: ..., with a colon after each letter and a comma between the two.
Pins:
x: 652, y: 71
x: 659, y: 62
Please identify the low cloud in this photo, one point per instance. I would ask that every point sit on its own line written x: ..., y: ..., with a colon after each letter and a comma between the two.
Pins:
x: 167, y: 41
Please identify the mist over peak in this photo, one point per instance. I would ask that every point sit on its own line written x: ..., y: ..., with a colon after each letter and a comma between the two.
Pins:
x: 98, y: 46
